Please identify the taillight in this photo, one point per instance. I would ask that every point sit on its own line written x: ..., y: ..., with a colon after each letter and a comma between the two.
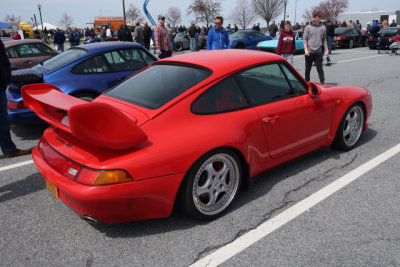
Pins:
x: 15, y: 105
x: 371, y: 38
x: 79, y: 173
x: 392, y: 38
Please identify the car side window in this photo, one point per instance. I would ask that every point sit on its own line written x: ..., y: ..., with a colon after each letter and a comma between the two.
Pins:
x: 225, y: 96
x: 297, y: 84
x: 92, y: 65
x: 28, y: 50
x: 45, y: 49
x: 148, y: 59
x: 12, y: 52
x: 265, y: 84
x: 259, y: 34
x: 125, y: 60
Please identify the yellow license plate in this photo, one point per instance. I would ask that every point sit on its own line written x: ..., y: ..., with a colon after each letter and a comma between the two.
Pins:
x: 52, y: 188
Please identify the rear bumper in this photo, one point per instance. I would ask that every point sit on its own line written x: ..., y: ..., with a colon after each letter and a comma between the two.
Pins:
x: 23, y: 117
x: 138, y: 200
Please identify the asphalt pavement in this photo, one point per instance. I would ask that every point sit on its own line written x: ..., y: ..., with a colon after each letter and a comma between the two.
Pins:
x: 357, y: 225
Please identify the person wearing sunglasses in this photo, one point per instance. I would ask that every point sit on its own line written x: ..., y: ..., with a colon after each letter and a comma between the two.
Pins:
x: 218, y: 37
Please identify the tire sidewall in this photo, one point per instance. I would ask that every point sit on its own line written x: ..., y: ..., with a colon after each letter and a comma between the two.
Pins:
x: 185, y: 198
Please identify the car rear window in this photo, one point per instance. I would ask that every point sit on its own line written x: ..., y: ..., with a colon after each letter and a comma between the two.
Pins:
x: 63, y: 58
x: 342, y: 30
x: 157, y: 85
x: 388, y: 30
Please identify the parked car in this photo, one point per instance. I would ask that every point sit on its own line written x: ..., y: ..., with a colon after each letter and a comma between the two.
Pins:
x: 389, y: 33
x: 247, y: 39
x: 182, y: 41
x: 349, y: 37
x: 272, y: 45
x: 188, y: 131
x: 83, y: 71
x: 27, y: 53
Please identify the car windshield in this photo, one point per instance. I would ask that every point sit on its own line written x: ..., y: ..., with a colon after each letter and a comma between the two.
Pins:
x: 157, y: 85
x: 341, y: 30
x: 239, y: 35
x: 388, y: 30
x: 63, y: 58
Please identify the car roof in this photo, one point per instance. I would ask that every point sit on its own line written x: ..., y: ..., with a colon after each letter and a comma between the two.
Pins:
x: 223, y: 61
x: 103, y: 46
x: 11, y: 42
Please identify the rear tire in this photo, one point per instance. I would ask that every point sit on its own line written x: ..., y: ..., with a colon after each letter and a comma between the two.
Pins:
x: 350, y: 128
x: 211, y: 185
x: 88, y: 97
x: 240, y: 46
x: 351, y: 43
x: 179, y: 46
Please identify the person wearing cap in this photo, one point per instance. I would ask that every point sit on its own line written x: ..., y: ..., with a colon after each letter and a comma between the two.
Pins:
x: 161, y: 36
x: 7, y: 145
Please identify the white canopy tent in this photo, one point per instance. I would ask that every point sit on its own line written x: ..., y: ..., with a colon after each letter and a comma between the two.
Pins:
x: 46, y: 25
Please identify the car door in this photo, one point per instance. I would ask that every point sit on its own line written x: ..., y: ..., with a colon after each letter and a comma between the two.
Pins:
x: 357, y: 37
x: 253, y: 40
x: 292, y: 119
x: 125, y: 62
x: 31, y: 54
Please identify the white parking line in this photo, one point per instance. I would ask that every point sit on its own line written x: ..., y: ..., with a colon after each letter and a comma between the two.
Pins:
x: 224, y: 253
x: 16, y: 165
x: 357, y: 59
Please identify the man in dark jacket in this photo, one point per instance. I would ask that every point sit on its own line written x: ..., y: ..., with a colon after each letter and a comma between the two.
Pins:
x: 330, y: 34
x: 124, y: 34
x: 147, y: 32
x: 273, y: 29
x: 59, y: 39
x: 7, y: 145
x: 192, y: 36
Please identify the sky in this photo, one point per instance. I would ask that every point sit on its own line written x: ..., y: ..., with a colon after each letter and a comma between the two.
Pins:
x: 83, y: 11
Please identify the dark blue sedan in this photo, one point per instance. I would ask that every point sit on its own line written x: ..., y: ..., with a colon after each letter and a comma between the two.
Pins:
x: 247, y: 39
x: 84, y: 71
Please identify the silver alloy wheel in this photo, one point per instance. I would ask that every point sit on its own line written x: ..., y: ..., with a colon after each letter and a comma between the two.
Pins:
x: 351, y: 43
x: 216, y: 184
x: 353, y: 125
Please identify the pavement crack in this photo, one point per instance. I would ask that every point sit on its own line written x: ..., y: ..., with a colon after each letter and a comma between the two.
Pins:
x: 286, y: 202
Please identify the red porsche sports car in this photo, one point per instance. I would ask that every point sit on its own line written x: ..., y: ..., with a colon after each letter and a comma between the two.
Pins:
x: 190, y: 130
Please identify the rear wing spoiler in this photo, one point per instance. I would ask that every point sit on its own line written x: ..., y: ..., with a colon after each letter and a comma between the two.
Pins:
x: 98, y: 124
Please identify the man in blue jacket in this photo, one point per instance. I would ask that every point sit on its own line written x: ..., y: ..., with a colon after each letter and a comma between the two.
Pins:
x: 218, y: 37
x: 59, y: 39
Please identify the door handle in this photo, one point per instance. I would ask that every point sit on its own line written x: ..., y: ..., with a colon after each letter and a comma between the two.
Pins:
x: 271, y: 119
x: 28, y: 61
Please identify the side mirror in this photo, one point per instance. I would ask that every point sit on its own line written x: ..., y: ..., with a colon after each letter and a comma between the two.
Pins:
x: 313, y: 89
x: 251, y: 37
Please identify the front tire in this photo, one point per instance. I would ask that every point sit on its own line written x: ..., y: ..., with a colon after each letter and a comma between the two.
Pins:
x: 350, y: 128
x: 211, y: 185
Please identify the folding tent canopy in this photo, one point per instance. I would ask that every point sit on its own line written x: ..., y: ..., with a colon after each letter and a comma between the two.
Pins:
x: 4, y: 25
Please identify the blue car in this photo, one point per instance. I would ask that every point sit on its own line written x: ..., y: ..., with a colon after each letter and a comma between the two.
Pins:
x: 272, y: 45
x: 247, y: 39
x: 83, y: 71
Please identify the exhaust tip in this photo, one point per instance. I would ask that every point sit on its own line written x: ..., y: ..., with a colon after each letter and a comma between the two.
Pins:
x: 91, y: 220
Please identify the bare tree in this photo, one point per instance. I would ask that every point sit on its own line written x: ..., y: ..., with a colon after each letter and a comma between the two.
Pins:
x: 308, y: 14
x: 330, y: 9
x: 11, y: 19
x: 65, y: 21
x: 268, y: 9
x: 243, y: 14
x: 174, y: 16
x: 205, y: 11
x: 133, y: 14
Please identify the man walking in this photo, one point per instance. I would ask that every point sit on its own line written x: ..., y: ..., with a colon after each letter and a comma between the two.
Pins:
x: 273, y: 29
x: 59, y: 39
x: 162, y: 44
x: 7, y: 145
x: 192, y: 37
x: 147, y: 32
x: 218, y: 37
x: 314, y: 41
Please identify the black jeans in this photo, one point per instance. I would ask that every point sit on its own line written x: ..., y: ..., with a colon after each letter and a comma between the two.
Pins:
x: 165, y: 54
x: 6, y: 144
x: 318, y: 59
